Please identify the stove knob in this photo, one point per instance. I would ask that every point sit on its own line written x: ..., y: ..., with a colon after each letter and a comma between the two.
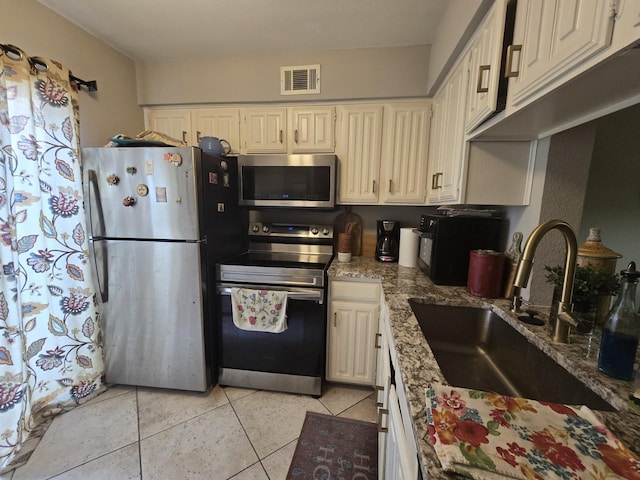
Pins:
x: 325, y: 231
x: 314, y: 230
x: 255, y: 229
x: 265, y: 228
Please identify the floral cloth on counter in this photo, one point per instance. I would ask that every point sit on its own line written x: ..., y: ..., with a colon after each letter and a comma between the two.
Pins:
x: 259, y: 310
x: 485, y: 435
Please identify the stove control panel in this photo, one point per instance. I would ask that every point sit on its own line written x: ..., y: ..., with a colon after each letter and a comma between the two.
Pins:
x: 290, y: 230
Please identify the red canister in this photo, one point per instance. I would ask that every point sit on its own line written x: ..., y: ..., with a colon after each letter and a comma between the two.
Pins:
x: 486, y: 269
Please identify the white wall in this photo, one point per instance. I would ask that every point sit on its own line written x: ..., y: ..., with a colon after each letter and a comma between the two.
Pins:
x: 458, y: 23
x: 39, y: 31
x: 559, y: 188
x: 345, y: 74
x: 525, y: 219
x: 612, y: 200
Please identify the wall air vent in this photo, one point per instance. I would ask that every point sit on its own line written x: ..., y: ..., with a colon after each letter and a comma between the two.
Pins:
x: 300, y: 80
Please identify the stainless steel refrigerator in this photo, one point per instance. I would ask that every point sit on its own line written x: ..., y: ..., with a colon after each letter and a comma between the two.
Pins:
x: 159, y: 220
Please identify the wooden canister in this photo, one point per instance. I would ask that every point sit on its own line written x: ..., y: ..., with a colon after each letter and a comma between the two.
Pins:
x: 344, y: 242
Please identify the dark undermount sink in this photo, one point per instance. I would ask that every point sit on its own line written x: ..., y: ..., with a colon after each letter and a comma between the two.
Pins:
x: 477, y: 349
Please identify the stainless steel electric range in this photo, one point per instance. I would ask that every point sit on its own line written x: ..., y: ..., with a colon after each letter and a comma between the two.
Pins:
x: 293, y: 258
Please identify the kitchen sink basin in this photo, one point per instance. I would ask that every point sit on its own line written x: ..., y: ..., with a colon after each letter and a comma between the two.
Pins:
x: 477, y: 349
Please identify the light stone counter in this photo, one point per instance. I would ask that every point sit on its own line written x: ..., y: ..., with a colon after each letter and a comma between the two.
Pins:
x: 419, y: 367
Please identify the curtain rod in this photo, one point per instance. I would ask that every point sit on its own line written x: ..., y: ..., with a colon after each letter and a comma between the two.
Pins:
x: 90, y: 85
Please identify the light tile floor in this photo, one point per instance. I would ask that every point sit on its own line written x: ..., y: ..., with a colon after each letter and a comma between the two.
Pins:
x: 151, y: 434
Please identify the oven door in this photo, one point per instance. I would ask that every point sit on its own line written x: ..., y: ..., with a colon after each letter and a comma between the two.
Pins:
x: 289, y: 361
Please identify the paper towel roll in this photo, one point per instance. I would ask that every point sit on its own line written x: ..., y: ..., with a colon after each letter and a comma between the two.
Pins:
x: 408, y: 255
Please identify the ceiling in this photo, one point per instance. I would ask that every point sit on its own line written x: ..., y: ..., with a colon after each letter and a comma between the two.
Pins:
x: 166, y: 30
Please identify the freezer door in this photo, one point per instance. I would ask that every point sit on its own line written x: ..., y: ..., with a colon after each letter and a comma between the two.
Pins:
x: 149, y: 193
x: 152, y: 313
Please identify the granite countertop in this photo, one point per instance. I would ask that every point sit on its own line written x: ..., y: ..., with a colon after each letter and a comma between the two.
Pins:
x: 418, y: 366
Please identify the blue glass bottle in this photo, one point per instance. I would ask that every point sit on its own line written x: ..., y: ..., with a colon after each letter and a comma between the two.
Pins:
x: 621, y: 330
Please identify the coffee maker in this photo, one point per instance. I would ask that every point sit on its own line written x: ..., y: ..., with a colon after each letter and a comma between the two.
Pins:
x: 387, y: 245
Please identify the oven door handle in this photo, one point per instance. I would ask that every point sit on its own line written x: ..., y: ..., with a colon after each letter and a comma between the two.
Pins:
x: 310, y: 295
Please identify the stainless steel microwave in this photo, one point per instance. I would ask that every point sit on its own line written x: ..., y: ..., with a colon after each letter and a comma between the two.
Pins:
x: 303, y: 181
x: 446, y: 243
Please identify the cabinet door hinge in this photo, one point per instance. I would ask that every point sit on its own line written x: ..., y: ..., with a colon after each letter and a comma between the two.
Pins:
x: 614, y: 9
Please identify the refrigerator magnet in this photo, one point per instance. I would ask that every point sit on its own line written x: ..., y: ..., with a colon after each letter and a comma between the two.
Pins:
x: 161, y: 194
x: 213, y: 178
x: 174, y: 158
x: 225, y: 179
x: 142, y: 190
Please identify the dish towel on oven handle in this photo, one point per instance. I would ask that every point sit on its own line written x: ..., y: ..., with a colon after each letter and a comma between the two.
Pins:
x: 259, y: 310
x: 487, y: 436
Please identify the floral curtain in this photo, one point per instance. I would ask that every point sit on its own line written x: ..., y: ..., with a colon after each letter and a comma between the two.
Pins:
x: 50, y: 343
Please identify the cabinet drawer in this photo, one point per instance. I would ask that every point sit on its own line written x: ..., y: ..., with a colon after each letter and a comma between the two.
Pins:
x: 359, y: 291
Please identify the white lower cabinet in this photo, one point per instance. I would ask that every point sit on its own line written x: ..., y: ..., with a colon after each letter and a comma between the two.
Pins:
x: 383, y: 383
x: 351, y: 331
x: 397, y: 450
x: 398, y: 464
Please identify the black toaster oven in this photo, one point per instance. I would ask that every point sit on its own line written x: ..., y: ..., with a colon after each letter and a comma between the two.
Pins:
x: 446, y: 241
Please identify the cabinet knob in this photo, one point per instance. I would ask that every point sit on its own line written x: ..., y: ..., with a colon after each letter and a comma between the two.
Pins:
x: 381, y: 412
x: 184, y: 136
x: 481, y: 87
x: 281, y: 136
x: 295, y: 136
x: 509, y: 71
x: 335, y: 319
x: 434, y: 181
x: 198, y: 132
x: 378, y: 335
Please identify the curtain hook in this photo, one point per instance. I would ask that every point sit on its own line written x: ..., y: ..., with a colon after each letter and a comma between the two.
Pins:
x: 38, y: 64
x: 13, y: 52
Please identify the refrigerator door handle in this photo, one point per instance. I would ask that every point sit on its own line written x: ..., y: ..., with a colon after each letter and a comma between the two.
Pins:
x: 93, y: 199
x: 101, y: 273
x: 94, y: 191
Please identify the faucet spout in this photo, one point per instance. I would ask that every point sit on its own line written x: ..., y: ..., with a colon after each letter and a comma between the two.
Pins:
x: 560, y: 324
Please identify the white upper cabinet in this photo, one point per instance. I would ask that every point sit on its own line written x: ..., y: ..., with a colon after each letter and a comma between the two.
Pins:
x: 358, y: 143
x: 223, y: 123
x: 551, y: 38
x: 308, y: 129
x: 447, y: 144
x: 264, y: 130
x: 312, y: 129
x: 174, y: 122
x: 405, y: 145
x: 484, y: 66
